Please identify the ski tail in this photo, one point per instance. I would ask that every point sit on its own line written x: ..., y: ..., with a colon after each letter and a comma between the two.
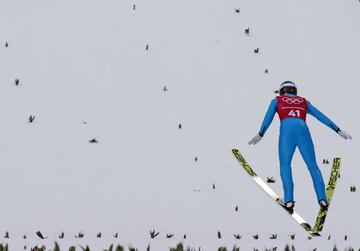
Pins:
x: 330, y: 189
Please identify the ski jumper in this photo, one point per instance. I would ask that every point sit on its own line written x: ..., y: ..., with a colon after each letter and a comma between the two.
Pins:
x: 294, y: 132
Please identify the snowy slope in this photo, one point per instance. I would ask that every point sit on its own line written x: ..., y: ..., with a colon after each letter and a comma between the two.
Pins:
x: 85, y: 73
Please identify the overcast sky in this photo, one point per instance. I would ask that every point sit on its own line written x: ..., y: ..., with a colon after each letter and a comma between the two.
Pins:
x: 97, y: 69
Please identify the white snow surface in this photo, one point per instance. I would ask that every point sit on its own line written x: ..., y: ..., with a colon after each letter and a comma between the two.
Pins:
x: 85, y: 73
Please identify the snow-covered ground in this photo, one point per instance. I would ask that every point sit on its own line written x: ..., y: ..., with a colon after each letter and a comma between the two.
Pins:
x: 84, y: 72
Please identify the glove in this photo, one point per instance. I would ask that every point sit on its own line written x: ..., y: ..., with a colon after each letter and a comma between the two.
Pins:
x: 255, y: 140
x: 344, y: 134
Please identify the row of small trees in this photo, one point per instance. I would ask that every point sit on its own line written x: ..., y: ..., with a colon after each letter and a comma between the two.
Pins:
x: 179, y: 247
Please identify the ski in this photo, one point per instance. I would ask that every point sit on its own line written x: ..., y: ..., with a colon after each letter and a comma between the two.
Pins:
x: 335, y: 172
x: 306, y: 226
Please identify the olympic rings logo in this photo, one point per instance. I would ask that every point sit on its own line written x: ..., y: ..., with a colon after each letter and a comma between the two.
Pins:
x: 290, y: 101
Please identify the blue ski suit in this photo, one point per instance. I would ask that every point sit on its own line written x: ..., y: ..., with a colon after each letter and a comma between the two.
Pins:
x: 295, y: 133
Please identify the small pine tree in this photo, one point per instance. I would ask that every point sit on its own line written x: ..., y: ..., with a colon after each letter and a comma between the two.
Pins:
x: 93, y: 140
x: 237, y: 236
x: 111, y: 247
x: 57, y: 247
x: 4, y: 248
x: 179, y: 247
x: 153, y: 234
x: 62, y: 235
x: 40, y: 235
x: 273, y: 236
x: 80, y: 235
x: 119, y: 248
x: 31, y: 118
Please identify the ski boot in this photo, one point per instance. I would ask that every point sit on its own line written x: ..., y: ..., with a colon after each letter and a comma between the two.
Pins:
x: 323, y: 204
x: 289, y: 206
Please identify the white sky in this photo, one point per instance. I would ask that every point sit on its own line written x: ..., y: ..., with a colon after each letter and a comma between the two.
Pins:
x: 84, y: 73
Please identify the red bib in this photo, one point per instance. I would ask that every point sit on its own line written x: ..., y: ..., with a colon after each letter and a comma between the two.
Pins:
x: 291, y: 107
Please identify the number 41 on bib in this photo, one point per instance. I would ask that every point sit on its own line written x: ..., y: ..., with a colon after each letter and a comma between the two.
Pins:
x: 294, y: 113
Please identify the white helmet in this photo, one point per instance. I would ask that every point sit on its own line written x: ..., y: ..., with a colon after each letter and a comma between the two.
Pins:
x: 287, y: 87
